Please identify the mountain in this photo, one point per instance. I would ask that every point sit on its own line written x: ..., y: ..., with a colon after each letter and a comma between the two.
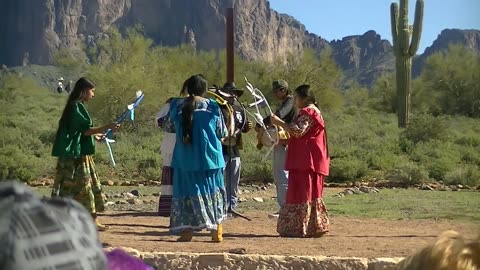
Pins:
x: 364, y: 58
x: 32, y: 31
x: 468, y: 38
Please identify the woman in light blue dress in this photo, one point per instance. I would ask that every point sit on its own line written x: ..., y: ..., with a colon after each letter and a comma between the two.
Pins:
x: 199, y: 197
x: 164, y: 122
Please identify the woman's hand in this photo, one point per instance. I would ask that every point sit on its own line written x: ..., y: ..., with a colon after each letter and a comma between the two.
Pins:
x: 99, y: 137
x: 276, y: 120
x: 103, y: 129
x: 248, y: 127
x: 113, y: 126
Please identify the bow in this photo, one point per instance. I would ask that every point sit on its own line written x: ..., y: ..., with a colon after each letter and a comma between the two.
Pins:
x: 230, y: 123
x: 129, y: 113
x: 220, y: 96
x: 233, y: 130
x: 260, y: 101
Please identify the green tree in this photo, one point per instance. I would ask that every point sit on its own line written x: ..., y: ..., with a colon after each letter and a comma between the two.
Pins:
x: 72, y: 61
x: 356, y: 96
x: 28, y: 125
x: 383, y: 96
x: 318, y: 70
x: 451, y: 82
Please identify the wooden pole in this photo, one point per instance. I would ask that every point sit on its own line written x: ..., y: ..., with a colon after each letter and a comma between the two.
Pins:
x: 230, y: 44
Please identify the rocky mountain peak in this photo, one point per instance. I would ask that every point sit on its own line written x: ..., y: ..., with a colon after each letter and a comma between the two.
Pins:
x: 363, y: 57
x: 32, y: 31
x: 468, y: 38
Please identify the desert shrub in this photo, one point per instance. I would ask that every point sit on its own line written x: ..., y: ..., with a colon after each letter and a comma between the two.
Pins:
x: 383, y: 96
x: 469, y: 140
x: 451, y: 82
x: 347, y: 169
x: 384, y: 160
x: 253, y: 169
x: 362, y: 142
x: 136, y: 155
x: 409, y: 174
x: 30, y: 117
x: 470, y: 155
x: 465, y: 174
x: 437, y: 157
x: 438, y: 168
x: 17, y: 165
x: 423, y: 128
x: 356, y: 96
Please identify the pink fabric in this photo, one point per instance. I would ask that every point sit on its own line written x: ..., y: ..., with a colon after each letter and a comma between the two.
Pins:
x: 120, y: 260
x: 308, y: 151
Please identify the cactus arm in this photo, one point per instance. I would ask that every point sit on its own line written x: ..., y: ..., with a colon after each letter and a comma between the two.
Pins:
x: 417, y: 28
x: 394, y: 18
x: 403, y: 28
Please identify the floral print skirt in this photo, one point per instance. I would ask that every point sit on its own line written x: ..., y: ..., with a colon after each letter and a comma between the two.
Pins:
x: 304, y: 214
x: 76, y: 178
x: 198, y: 201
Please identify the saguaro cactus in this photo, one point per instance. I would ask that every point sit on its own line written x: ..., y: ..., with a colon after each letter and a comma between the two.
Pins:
x: 406, y: 39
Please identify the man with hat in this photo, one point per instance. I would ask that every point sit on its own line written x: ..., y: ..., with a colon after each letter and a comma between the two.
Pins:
x: 286, y: 112
x: 232, y: 147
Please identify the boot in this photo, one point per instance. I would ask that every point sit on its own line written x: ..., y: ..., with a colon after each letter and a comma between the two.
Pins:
x: 217, y: 235
x: 100, y: 227
x: 185, y: 236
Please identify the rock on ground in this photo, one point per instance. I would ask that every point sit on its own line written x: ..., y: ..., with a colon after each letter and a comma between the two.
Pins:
x: 357, y: 190
x: 258, y: 199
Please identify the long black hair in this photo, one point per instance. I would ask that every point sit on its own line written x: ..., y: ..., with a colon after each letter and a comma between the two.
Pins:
x: 79, y: 92
x: 184, y: 90
x: 304, y: 92
x: 195, y: 86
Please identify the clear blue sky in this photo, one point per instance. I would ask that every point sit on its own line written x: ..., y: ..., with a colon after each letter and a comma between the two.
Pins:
x: 334, y: 19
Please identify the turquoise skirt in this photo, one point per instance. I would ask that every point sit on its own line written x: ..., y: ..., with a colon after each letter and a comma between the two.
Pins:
x: 199, y: 200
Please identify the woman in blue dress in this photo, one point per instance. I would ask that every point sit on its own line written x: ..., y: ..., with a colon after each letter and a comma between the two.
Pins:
x: 199, y: 197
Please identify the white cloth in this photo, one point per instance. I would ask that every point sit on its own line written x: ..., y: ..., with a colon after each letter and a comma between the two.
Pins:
x: 169, y: 139
x: 162, y: 113
x: 166, y: 149
x: 166, y: 190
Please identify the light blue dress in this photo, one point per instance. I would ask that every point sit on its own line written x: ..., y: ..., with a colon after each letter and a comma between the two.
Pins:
x: 199, y: 197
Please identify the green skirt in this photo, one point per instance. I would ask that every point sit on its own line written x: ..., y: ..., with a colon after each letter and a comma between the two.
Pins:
x: 76, y: 178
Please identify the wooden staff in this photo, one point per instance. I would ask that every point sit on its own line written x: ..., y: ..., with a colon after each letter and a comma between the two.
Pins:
x: 230, y: 48
x: 231, y: 79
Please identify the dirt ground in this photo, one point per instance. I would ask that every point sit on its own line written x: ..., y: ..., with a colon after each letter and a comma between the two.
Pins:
x: 138, y: 226
x: 351, y: 237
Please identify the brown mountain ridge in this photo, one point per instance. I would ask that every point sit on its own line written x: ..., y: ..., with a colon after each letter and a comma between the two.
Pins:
x: 32, y: 31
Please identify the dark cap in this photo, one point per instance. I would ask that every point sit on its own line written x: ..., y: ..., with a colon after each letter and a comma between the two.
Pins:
x: 279, y: 85
x: 231, y: 88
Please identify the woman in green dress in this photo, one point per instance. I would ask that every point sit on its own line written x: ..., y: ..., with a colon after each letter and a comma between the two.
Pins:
x: 74, y: 146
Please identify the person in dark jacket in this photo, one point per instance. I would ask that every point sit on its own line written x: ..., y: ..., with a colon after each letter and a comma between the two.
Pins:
x: 231, y: 148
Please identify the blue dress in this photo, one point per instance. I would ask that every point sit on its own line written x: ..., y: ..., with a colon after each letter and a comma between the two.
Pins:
x: 199, y: 197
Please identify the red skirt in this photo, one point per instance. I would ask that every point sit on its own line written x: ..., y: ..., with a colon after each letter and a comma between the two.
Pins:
x: 304, y: 214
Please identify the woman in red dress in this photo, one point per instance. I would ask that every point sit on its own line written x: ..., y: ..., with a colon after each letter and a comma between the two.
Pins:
x: 304, y: 213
